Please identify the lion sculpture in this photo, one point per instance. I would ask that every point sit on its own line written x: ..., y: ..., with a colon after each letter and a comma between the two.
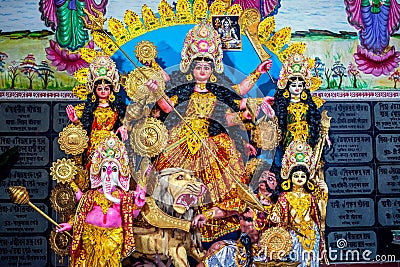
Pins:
x: 176, y: 193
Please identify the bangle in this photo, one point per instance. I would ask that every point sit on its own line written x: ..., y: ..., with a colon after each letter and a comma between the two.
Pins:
x: 209, y: 214
x: 74, y: 186
x: 253, y: 77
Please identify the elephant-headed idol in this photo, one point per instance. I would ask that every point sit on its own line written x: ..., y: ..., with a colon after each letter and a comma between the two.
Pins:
x: 103, y: 222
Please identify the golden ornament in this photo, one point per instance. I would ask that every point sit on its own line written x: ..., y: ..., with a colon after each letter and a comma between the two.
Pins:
x: 82, y: 178
x: 276, y: 242
x: 149, y: 137
x: 63, y: 171
x: 267, y: 134
x: 59, y: 243
x: 73, y: 139
x: 145, y: 52
x: 135, y: 85
x: 62, y: 198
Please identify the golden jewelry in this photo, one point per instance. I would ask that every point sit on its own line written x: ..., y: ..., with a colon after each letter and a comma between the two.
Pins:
x: 286, y: 94
x: 94, y: 97
x: 189, y: 77
x: 146, y: 52
x: 202, y: 86
x: 267, y: 134
x: 295, y: 98
x: 103, y: 202
x: 59, y: 243
x: 213, y: 78
x: 303, y: 95
x: 111, y: 97
x: 276, y: 242
x: 286, y: 185
x: 103, y: 101
x: 74, y: 187
x: 253, y: 77
x: 310, y: 185
x: 209, y: 214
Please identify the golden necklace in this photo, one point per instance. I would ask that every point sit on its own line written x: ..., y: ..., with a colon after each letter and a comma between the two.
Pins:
x: 103, y: 202
x: 202, y: 86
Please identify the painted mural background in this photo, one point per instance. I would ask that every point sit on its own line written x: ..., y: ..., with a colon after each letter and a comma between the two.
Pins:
x: 322, y: 25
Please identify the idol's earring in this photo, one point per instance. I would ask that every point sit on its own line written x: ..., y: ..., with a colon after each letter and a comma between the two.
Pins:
x: 310, y: 185
x: 111, y: 97
x: 286, y: 94
x: 303, y: 95
x: 189, y: 77
x: 286, y: 185
x: 94, y: 97
x: 213, y: 78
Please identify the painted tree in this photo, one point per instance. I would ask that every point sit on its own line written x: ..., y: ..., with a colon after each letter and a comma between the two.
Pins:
x: 339, y: 70
x: 13, y: 72
x: 45, y: 73
x: 354, y: 73
x: 318, y: 68
x: 328, y: 74
x: 395, y: 77
x: 28, y: 67
x: 3, y: 56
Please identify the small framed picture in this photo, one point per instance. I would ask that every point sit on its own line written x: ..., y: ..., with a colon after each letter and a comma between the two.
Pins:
x: 229, y: 31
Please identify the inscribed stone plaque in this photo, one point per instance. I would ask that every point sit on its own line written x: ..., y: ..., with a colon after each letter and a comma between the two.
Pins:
x: 389, y: 179
x: 388, y: 147
x: 350, y: 148
x: 387, y: 115
x: 389, y: 211
x: 350, y: 180
x: 35, y: 180
x: 352, y: 246
x: 57, y: 152
x: 33, y: 150
x: 23, y: 251
x: 350, y: 212
x: 19, y: 117
x: 22, y: 219
x: 349, y: 116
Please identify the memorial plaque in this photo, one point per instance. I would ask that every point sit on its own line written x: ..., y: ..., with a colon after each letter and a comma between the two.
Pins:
x: 389, y: 211
x: 352, y: 246
x: 23, y: 251
x: 24, y: 117
x: 22, y: 219
x: 387, y: 115
x: 350, y: 180
x: 388, y: 147
x: 389, y: 179
x: 349, y: 116
x: 350, y: 148
x: 33, y: 150
x: 60, y: 118
x: 35, y: 180
x: 350, y: 212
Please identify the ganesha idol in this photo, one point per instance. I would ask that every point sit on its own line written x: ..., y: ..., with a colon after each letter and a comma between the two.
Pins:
x: 103, y: 222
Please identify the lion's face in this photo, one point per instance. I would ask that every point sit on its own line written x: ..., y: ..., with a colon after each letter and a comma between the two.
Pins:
x: 185, y: 189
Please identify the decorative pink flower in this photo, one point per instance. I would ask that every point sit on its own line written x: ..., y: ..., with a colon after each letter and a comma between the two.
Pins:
x: 63, y: 59
x: 377, y: 65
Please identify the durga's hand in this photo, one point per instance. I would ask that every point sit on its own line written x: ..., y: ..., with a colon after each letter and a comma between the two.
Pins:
x: 64, y: 227
x: 266, y: 106
x: 264, y: 66
x: 199, y: 220
x: 250, y: 150
x: 123, y: 132
x: 71, y: 113
x: 152, y: 85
